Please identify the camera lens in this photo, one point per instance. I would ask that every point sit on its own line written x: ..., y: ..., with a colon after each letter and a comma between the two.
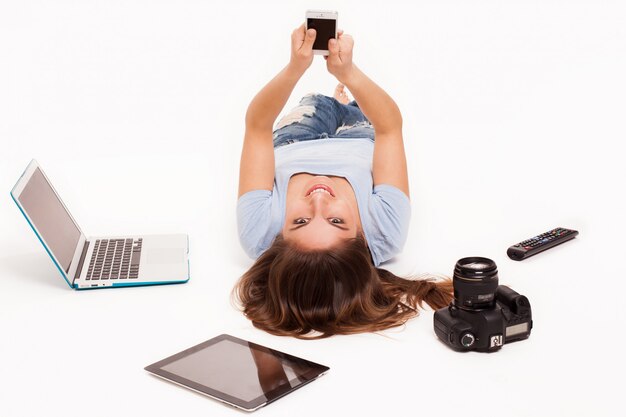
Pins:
x: 475, y: 282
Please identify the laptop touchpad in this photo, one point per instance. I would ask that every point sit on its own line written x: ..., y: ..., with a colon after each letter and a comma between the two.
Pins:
x: 165, y: 255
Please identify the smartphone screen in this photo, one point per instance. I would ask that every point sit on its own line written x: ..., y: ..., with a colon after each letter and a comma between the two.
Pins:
x: 325, y: 29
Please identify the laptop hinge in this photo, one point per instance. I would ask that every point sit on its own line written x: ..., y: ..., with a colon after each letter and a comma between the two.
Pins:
x: 82, y: 260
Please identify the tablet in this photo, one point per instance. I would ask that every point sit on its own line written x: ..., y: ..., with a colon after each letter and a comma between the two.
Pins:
x: 236, y: 372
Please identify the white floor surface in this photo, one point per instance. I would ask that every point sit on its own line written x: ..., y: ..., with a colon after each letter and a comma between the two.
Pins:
x: 514, y: 124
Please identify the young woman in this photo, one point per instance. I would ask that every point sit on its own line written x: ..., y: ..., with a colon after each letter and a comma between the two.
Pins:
x: 323, y: 201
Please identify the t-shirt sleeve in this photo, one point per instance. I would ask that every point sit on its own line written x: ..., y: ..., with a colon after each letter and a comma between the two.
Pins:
x: 390, y: 211
x: 254, y: 221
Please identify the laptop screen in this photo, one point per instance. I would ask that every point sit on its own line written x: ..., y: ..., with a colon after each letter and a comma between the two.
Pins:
x: 51, y: 219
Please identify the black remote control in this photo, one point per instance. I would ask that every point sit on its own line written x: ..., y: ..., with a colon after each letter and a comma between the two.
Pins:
x: 539, y: 243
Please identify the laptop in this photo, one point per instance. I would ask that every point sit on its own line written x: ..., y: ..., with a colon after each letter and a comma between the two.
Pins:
x: 97, y: 262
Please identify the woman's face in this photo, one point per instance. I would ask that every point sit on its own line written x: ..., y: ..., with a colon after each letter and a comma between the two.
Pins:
x: 320, y: 211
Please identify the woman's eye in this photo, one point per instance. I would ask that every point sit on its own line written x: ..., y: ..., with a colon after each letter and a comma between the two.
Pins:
x: 336, y: 220
x: 300, y: 221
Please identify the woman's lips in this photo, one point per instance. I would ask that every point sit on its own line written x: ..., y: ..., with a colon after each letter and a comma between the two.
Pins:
x: 322, y: 187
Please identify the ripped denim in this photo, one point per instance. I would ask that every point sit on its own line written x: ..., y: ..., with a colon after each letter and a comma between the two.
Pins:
x: 319, y: 117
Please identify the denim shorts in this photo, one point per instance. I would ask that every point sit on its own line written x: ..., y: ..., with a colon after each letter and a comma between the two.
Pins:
x: 320, y: 117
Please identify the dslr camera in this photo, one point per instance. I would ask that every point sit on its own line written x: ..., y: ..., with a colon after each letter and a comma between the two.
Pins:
x: 483, y: 315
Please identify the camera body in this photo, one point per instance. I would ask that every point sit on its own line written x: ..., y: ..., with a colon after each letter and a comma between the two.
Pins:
x: 484, y: 315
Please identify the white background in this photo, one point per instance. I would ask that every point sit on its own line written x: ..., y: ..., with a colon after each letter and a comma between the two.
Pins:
x: 514, y: 123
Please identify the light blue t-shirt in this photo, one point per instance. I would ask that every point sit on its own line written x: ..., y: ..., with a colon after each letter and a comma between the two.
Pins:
x: 385, y: 210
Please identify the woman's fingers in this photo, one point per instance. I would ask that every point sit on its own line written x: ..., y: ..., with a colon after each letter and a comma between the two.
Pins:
x: 302, y: 47
x: 309, y: 39
x: 297, y: 37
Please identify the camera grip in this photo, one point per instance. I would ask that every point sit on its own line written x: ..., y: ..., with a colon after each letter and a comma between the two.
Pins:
x: 517, y: 303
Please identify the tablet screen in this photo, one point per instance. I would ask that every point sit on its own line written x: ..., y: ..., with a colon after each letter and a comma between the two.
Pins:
x: 237, y: 372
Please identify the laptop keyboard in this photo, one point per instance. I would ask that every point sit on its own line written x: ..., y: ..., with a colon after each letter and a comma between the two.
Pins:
x: 115, y: 259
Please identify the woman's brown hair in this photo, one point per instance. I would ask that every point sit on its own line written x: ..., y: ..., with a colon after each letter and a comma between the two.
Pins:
x: 292, y: 292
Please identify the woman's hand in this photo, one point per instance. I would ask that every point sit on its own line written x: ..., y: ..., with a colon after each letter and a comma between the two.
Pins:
x: 339, y: 59
x: 302, y: 48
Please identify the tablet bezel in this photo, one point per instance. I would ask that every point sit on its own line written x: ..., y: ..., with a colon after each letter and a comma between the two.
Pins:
x: 315, y: 372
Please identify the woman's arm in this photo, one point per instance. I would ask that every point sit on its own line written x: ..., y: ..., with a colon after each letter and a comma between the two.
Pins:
x: 256, y: 170
x: 389, y: 162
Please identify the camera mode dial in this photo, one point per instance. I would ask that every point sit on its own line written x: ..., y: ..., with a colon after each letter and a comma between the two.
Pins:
x: 467, y: 340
